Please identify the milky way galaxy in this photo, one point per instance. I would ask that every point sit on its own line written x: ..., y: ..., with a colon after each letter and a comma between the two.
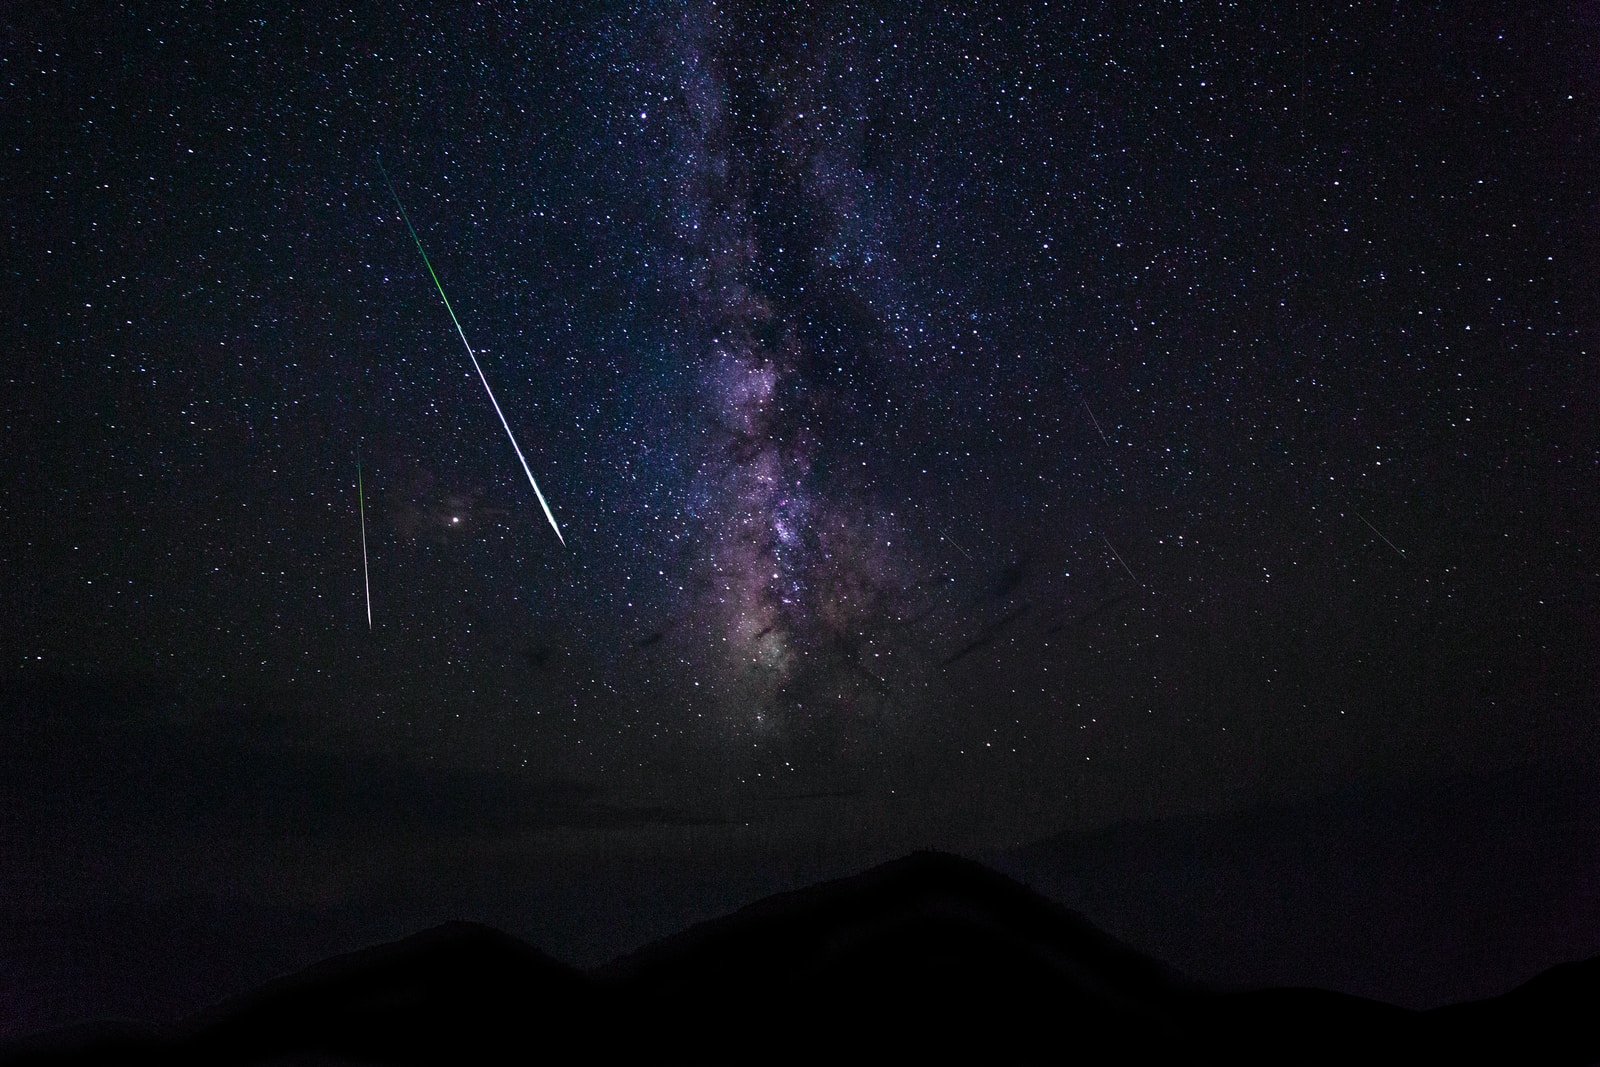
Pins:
x: 775, y: 255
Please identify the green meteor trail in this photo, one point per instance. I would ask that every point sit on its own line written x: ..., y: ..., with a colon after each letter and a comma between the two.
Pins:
x: 471, y: 355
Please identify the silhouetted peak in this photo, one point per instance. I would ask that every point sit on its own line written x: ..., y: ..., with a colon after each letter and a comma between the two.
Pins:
x: 929, y: 958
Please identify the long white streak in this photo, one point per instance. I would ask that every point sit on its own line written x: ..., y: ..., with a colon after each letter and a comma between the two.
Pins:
x: 1120, y: 560
x: 437, y: 284
x: 525, y: 468
x: 1375, y: 530
x: 366, y: 576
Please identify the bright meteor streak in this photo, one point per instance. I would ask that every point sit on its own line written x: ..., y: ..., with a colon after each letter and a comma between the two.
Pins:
x: 366, y: 577
x: 471, y: 355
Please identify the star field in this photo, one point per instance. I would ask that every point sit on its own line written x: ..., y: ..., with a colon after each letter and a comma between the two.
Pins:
x: 985, y: 423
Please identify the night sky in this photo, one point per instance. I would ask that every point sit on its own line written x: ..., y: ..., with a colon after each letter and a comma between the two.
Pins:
x: 966, y: 426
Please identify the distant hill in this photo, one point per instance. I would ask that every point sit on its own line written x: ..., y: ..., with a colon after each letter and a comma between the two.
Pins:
x: 927, y: 959
x: 1420, y: 895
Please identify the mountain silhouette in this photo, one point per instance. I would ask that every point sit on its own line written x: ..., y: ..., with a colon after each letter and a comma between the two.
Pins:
x: 928, y: 958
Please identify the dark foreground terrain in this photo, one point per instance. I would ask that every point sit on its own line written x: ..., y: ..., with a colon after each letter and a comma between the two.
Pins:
x: 930, y: 958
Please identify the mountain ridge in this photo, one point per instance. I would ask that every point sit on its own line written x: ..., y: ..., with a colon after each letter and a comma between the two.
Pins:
x: 930, y: 957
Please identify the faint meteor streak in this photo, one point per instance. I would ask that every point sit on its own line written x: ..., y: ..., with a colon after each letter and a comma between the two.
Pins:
x: 1375, y: 530
x: 955, y: 546
x: 471, y: 355
x: 1094, y: 420
x: 366, y: 577
x: 1120, y: 560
